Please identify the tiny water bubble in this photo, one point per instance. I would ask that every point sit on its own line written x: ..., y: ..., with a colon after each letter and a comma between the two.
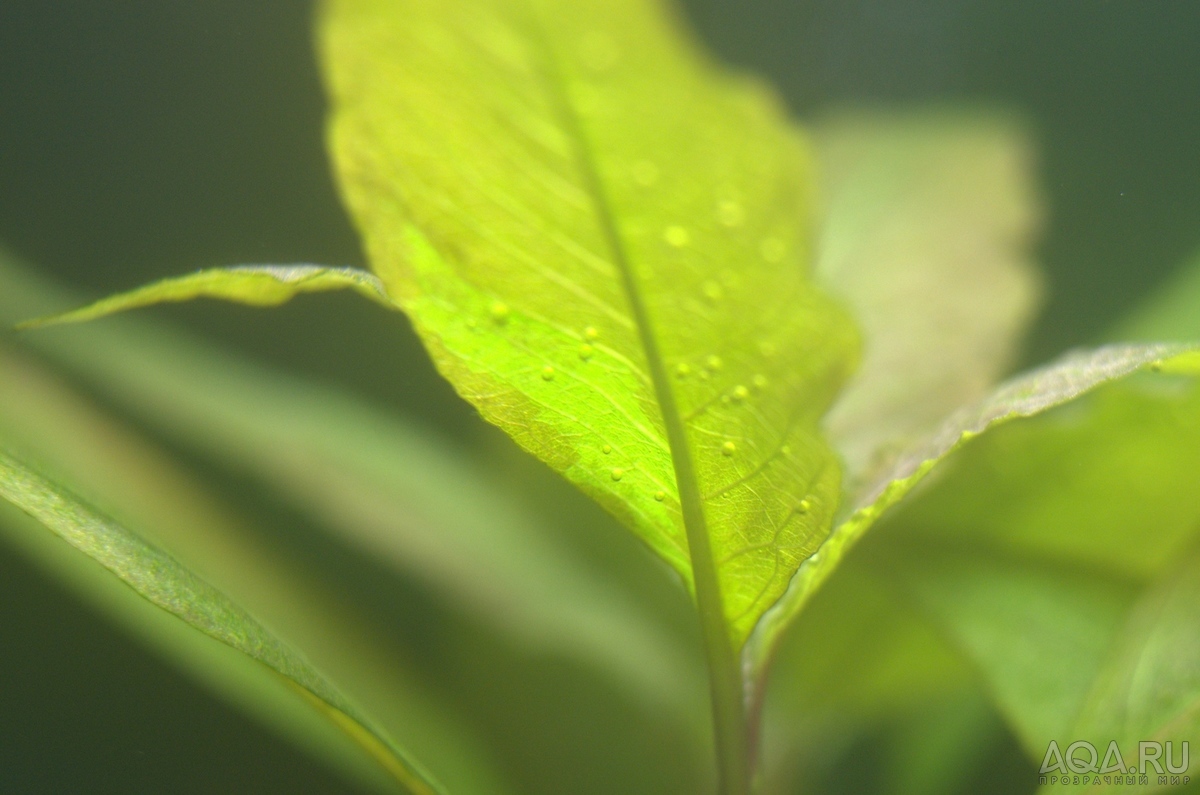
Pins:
x: 730, y: 214
x: 677, y: 236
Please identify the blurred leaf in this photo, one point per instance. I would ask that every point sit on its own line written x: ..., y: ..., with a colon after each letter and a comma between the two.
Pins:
x: 162, y: 581
x: 1024, y: 396
x: 407, y: 498
x: 600, y: 237
x: 1038, y: 634
x: 1108, y: 484
x: 856, y: 658
x: 1149, y: 689
x: 859, y: 653
x: 929, y: 220
x: 141, y: 488
x: 257, y: 285
x: 1171, y: 312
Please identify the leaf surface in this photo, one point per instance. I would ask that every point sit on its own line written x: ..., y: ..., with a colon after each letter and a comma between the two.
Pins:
x: 163, y: 582
x: 601, y: 238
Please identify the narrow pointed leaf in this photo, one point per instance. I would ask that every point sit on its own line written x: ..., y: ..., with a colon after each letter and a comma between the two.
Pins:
x: 1024, y: 396
x: 162, y: 581
x: 601, y: 239
x: 256, y: 285
x: 928, y: 225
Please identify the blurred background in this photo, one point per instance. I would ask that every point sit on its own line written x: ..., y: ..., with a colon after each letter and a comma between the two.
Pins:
x: 140, y: 139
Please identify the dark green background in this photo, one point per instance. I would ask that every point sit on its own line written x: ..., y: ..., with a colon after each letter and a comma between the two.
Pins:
x: 140, y: 138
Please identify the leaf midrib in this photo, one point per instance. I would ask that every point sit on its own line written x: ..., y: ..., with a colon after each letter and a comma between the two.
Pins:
x: 724, y: 672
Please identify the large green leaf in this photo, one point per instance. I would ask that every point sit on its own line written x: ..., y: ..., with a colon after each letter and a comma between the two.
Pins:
x: 601, y: 238
x: 162, y: 581
x: 410, y: 500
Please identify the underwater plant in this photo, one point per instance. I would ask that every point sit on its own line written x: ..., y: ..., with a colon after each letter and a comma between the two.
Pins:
x: 749, y: 344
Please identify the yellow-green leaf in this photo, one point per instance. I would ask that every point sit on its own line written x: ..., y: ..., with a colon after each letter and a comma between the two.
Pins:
x: 602, y: 238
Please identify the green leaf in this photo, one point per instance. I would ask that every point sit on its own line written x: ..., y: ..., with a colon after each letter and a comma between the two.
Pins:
x: 1149, y: 689
x: 163, y: 582
x: 928, y: 226
x: 1107, y: 484
x: 406, y: 498
x: 257, y: 285
x: 145, y: 490
x: 1024, y: 396
x: 1038, y: 633
x: 601, y: 239
x: 1170, y: 312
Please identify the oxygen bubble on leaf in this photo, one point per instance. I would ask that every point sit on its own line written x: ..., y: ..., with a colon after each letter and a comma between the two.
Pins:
x: 586, y: 351
x: 761, y: 381
x: 714, y: 363
x: 500, y: 312
x: 547, y: 373
x: 730, y: 214
x: 606, y: 449
x: 728, y: 449
x: 713, y: 291
x: 740, y: 393
x: 683, y: 370
x: 677, y: 236
x: 617, y: 473
x: 660, y: 495
x: 591, y: 333
x: 804, y: 507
